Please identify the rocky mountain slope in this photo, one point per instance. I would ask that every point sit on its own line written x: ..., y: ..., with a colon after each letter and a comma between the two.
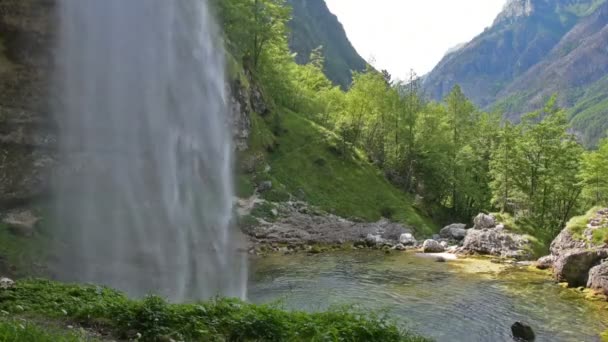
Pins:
x: 313, y: 25
x: 536, y: 48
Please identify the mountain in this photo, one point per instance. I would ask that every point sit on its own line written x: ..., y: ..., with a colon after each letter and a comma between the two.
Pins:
x: 314, y: 25
x: 536, y: 48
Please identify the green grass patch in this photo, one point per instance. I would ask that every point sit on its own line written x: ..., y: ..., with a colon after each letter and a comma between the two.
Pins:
x: 578, y: 224
x: 217, y: 320
x: 23, y: 256
x: 22, y: 331
x: 600, y: 236
x: 307, y: 161
x: 264, y: 210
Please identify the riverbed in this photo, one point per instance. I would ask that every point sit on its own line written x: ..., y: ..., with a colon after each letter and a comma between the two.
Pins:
x: 464, y: 300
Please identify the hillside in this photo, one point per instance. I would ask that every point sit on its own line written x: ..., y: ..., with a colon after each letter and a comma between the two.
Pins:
x: 535, y: 48
x: 313, y: 25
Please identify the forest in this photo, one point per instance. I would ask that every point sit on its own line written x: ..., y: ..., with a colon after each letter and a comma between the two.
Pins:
x: 457, y: 159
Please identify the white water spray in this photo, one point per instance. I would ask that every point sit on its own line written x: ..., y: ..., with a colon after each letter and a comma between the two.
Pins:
x: 147, y: 203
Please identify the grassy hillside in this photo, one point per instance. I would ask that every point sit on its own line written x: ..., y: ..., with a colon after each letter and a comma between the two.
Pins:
x: 306, y: 161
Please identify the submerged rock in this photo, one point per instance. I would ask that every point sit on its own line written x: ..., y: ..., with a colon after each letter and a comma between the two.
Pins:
x: 407, y: 239
x: 432, y: 246
x: 598, y: 278
x: 522, y: 332
x: 573, y: 266
x: 400, y: 247
x: 454, y: 231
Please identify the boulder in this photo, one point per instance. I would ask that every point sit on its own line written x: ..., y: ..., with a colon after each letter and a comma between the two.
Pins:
x: 564, y: 242
x: 407, y: 239
x: 400, y: 247
x: 444, y: 244
x: 432, y: 246
x: 454, y: 231
x: 6, y: 283
x: 373, y: 240
x: 484, y: 221
x: 574, y: 265
x: 21, y: 223
x: 522, y: 332
x: 498, y: 243
x: 598, y: 278
x: 265, y: 186
x: 545, y: 262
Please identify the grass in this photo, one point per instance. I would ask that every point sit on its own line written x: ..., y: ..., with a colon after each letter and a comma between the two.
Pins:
x: 22, y: 331
x: 539, y: 241
x: 578, y: 224
x: 23, y: 256
x: 154, y: 319
x: 307, y: 162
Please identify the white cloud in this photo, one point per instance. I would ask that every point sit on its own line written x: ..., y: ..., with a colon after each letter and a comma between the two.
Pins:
x: 406, y: 34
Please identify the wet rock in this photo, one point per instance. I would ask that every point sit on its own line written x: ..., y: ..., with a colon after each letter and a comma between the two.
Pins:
x: 400, y: 247
x: 498, y: 243
x: 440, y: 259
x: 573, y: 266
x: 484, y: 221
x: 407, y: 239
x: 265, y: 186
x: 432, y: 246
x: 522, y: 332
x: 372, y: 240
x: 598, y: 278
x: 21, y: 223
x: 545, y: 262
x: 454, y: 231
x: 6, y: 283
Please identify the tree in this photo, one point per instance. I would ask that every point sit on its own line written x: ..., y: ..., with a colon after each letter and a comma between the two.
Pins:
x: 594, y: 175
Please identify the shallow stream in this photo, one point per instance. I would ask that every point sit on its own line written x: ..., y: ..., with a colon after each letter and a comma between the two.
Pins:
x: 464, y: 300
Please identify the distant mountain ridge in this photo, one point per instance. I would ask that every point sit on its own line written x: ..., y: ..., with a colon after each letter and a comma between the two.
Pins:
x: 536, y: 48
x: 314, y: 25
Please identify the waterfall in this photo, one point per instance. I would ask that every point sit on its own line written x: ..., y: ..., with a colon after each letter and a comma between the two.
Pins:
x: 144, y: 201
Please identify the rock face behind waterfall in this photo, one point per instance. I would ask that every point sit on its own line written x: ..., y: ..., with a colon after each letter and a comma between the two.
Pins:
x: 577, y: 258
x: 491, y: 238
x: 27, y: 136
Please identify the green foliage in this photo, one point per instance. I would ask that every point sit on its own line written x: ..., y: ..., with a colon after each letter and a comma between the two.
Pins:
x: 535, y: 170
x: 346, y: 184
x: 22, y: 331
x: 264, y: 211
x: 594, y: 175
x: 578, y: 224
x: 218, y: 320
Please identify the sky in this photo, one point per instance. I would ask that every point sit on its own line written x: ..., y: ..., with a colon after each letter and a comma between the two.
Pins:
x: 399, y: 35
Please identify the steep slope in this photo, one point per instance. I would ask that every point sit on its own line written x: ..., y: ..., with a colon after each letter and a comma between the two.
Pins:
x: 313, y: 25
x: 534, y: 48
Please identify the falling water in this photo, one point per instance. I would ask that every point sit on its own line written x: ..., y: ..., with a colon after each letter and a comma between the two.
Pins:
x: 145, y: 201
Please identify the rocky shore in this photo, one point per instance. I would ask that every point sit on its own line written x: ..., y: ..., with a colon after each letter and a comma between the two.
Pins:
x: 579, y: 254
x: 294, y: 226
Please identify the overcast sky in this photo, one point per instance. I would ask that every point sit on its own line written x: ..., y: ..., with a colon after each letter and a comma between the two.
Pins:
x: 412, y: 34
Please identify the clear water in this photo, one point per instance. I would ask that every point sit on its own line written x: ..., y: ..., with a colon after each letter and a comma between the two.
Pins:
x: 144, y: 199
x: 456, y: 301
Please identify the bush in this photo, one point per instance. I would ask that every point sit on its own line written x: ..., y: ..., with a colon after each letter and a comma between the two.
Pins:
x: 155, y: 319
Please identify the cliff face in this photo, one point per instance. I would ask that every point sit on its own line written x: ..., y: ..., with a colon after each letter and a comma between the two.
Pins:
x: 535, y: 48
x: 26, y: 127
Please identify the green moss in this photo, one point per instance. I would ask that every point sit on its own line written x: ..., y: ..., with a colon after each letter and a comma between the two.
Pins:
x: 23, y: 256
x: 347, y: 185
x: 218, y: 320
x: 600, y: 236
x: 264, y: 211
x: 578, y: 224
x: 244, y: 186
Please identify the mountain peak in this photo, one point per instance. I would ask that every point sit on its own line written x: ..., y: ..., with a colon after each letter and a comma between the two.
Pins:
x: 515, y: 9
